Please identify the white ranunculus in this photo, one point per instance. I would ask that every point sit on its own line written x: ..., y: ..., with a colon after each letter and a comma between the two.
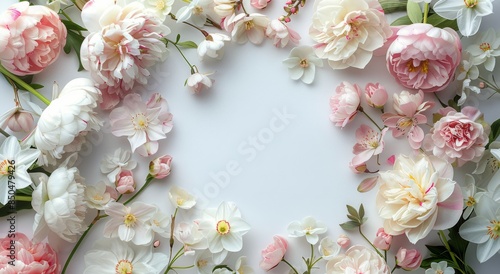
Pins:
x: 68, y: 116
x: 418, y: 196
x: 357, y: 259
x: 347, y: 32
x: 59, y: 204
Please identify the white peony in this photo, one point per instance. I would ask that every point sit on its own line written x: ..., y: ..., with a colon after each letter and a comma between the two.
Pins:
x: 418, y: 196
x: 347, y: 32
x: 68, y: 116
x: 357, y: 259
x: 59, y: 204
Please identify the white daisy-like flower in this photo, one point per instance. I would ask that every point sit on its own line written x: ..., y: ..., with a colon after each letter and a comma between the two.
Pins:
x: 181, y: 198
x: 309, y: 227
x: 213, y: 46
x: 130, y: 223
x: 112, y: 165
x: 59, y: 204
x: 467, y: 12
x: 14, y: 163
x: 112, y: 256
x: 224, y: 228
x: 485, y: 49
x: 301, y: 64
x: 196, y: 12
x: 489, y: 164
x: 160, y: 224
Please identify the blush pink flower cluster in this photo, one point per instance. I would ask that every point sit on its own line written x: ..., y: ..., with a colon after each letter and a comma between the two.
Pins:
x: 458, y: 136
x: 125, y: 41
x: 344, y: 103
x: 31, y: 38
x: 28, y: 257
x: 424, y: 57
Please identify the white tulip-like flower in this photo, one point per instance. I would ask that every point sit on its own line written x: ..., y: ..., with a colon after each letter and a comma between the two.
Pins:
x: 309, y: 227
x: 190, y: 235
x: 59, y: 204
x: 181, y: 198
x: 112, y: 165
x: 328, y: 248
x: 68, y: 116
x: 213, y: 46
x: 198, y: 82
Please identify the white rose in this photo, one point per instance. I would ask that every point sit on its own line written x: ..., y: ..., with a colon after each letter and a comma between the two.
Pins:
x: 357, y: 259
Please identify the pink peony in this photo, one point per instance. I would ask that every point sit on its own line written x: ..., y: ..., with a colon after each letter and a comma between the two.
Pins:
x: 383, y: 240
x: 125, y: 183
x: 376, y: 95
x: 458, y: 136
x: 273, y: 253
x: 408, y: 259
x: 345, y: 103
x: 281, y: 34
x: 368, y: 143
x: 31, y: 38
x: 409, y: 114
x: 159, y: 168
x: 424, y: 57
x: 26, y: 256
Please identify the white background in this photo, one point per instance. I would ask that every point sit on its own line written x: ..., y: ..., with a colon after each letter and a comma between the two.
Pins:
x: 301, y: 170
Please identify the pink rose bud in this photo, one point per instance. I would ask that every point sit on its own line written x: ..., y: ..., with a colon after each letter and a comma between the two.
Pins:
x: 344, y: 241
x: 376, y: 95
x: 159, y: 168
x: 21, y: 121
x: 125, y: 183
x: 383, y: 240
x: 272, y: 255
x: 408, y: 259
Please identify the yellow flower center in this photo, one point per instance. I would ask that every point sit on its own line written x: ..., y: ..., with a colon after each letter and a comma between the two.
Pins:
x: 470, y: 3
x: 422, y: 67
x: 124, y: 267
x: 6, y: 167
x: 180, y: 201
x: 223, y: 227
x: 494, y: 229
x: 303, y: 63
x: 140, y: 121
x: 160, y: 5
x: 98, y: 197
x: 249, y: 25
x: 439, y: 271
x: 485, y: 46
x: 129, y: 220
x: 156, y: 222
x: 470, y: 201
x: 198, y: 10
x: 201, y: 263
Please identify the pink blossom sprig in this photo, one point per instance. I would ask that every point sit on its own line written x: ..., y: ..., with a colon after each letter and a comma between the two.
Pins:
x: 292, y: 7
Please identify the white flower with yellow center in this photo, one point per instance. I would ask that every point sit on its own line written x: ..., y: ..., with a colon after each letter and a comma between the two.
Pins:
x: 112, y: 256
x: 309, y: 227
x: 418, y: 196
x: 112, y: 165
x: 489, y: 164
x: 130, y: 223
x: 159, y: 8
x: 96, y: 196
x: 467, y: 12
x: 485, y: 49
x: 181, y: 198
x: 196, y: 12
x: 224, y: 228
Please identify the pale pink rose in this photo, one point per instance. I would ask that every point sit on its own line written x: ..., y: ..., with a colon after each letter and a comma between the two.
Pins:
x: 198, y: 82
x: 343, y: 241
x: 281, y: 34
x: 408, y: 259
x: 27, y: 256
x: 273, y: 253
x: 31, y: 38
x: 376, y: 95
x: 259, y: 4
x: 122, y: 47
x: 345, y: 103
x: 159, y: 168
x: 21, y: 121
x: 424, y: 57
x: 368, y: 143
x: 125, y: 183
x: 458, y: 136
x: 382, y: 240
x: 409, y: 114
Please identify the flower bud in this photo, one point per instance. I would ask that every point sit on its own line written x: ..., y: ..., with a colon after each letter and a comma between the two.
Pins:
x: 376, y: 95
x: 383, y: 240
x: 21, y: 121
x: 408, y: 259
x: 344, y: 241
x: 125, y: 183
x: 159, y: 168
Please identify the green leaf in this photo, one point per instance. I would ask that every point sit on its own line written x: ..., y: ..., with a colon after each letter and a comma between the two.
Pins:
x: 361, y: 212
x: 427, y: 262
x: 414, y: 12
x: 437, y: 250
x: 74, y: 41
x: 72, y: 25
x: 20, y: 205
x: 390, y: 6
x: 177, y: 38
x: 441, y: 22
x: 187, y: 44
x: 352, y: 211
x: 405, y: 20
x: 495, y: 132
x: 27, y: 191
x: 350, y: 225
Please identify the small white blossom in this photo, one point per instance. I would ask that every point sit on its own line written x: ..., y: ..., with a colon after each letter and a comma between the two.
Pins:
x: 213, y: 46
x: 302, y: 64
x: 467, y: 12
x: 485, y: 49
x: 309, y: 227
x: 112, y: 165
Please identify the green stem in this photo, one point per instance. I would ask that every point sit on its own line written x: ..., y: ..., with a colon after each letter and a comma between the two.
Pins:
x: 447, y: 245
x: 4, y: 133
x: 204, y: 32
x: 180, y: 51
x: 490, y: 84
x: 23, y: 198
x: 23, y: 84
x: 149, y: 178
x: 291, y: 266
x: 426, y: 12
x: 394, y: 268
x: 376, y: 249
x: 183, y: 267
x: 243, y: 7
x: 440, y: 102
x: 172, y: 261
x: 385, y: 255
x: 73, y: 251
x: 370, y: 118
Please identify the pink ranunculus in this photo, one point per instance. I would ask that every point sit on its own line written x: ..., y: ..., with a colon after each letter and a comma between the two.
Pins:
x: 281, y: 34
x: 408, y: 259
x: 125, y: 183
x: 259, y: 4
x: 31, y: 38
x: 159, y: 168
x: 376, y: 95
x: 28, y: 257
x: 273, y: 253
x: 345, y: 103
x: 424, y: 57
x: 383, y: 240
x: 458, y: 136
